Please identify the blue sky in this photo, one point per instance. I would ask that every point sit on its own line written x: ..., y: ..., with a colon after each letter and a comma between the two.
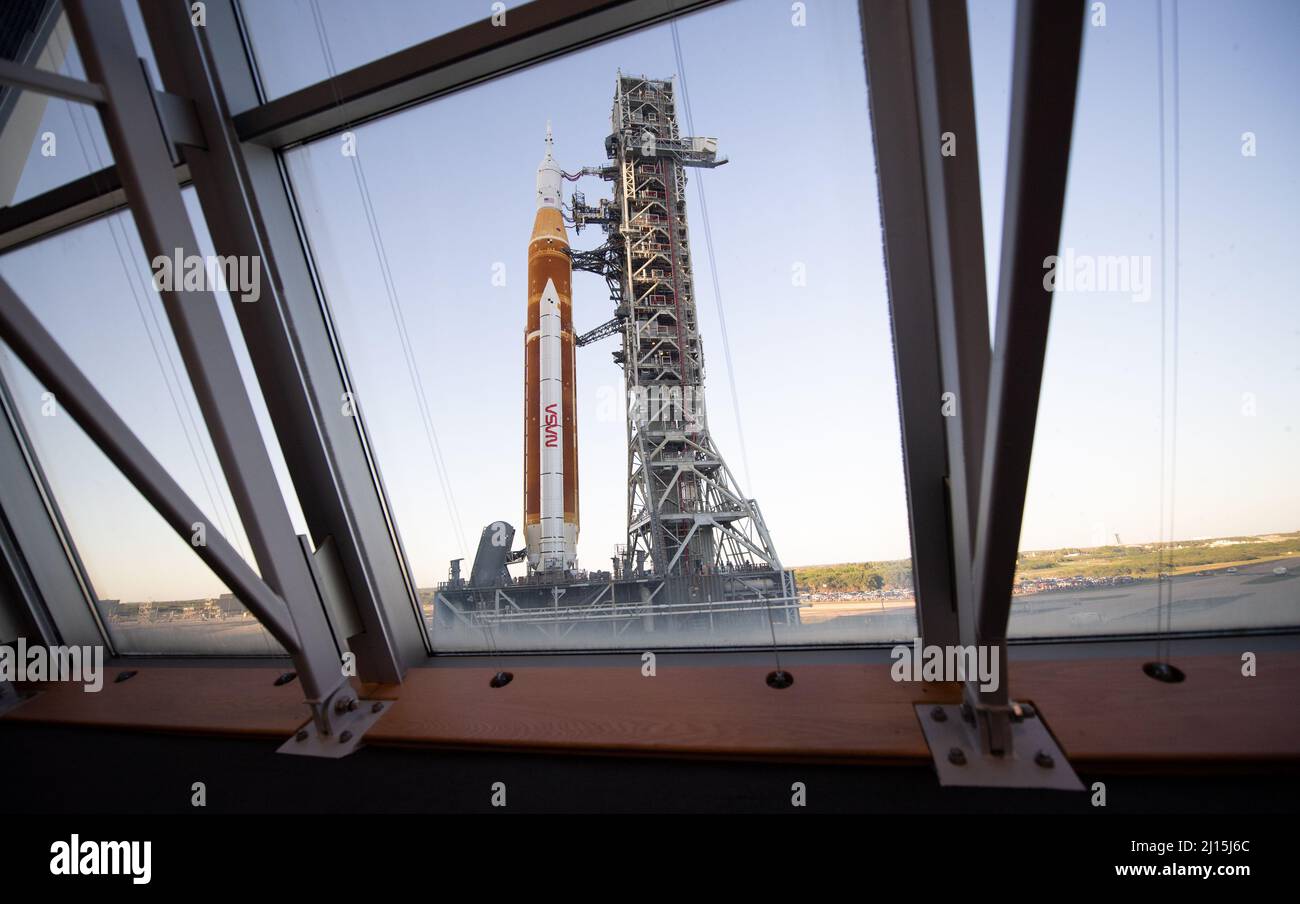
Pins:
x: 1098, y: 461
x: 451, y: 184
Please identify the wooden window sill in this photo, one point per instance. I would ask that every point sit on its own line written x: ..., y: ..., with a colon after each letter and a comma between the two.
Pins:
x: 1103, y: 711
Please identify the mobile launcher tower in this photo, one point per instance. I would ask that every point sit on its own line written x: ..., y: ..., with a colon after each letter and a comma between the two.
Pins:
x: 698, y: 554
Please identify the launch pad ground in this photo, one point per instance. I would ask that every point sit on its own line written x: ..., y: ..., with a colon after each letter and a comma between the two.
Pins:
x: 592, y: 609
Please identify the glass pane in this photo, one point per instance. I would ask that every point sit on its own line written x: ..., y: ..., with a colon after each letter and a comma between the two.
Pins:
x: 297, y: 43
x: 92, y: 288
x: 1163, y: 493
x: 420, y: 227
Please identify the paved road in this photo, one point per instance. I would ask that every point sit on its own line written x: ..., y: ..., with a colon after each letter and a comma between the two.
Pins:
x: 1254, y: 597
x: 1251, y: 598
x: 222, y: 637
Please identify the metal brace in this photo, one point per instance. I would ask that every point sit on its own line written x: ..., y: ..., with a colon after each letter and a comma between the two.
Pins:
x: 337, y: 725
x: 178, y: 117
x: 1033, y: 759
x: 51, y: 84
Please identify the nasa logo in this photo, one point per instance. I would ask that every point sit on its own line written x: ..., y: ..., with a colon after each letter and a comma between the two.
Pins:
x: 552, y: 427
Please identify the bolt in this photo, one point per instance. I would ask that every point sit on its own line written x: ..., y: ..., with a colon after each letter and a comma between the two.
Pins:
x: 341, y: 705
x: 345, y: 737
x: 779, y: 679
x: 378, y: 707
x: 938, y: 714
x: 352, y: 706
x: 301, y: 735
x: 1044, y: 759
x: 957, y: 756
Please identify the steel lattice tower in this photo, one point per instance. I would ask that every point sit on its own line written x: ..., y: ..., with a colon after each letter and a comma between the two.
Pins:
x: 685, y: 513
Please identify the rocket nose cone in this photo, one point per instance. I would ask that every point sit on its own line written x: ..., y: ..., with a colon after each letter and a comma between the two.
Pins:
x: 548, y: 159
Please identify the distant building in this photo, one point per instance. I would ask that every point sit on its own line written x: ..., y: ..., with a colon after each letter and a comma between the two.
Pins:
x: 229, y: 606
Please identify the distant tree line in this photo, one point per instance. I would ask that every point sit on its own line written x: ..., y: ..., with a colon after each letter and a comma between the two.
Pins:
x: 1090, y: 562
x: 853, y: 577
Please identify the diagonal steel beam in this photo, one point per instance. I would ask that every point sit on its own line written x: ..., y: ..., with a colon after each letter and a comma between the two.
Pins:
x: 250, y: 212
x: 41, y: 353
x: 51, y: 84
x: 1049, y: 37
x: 142, y: 154
x: 950, y: 160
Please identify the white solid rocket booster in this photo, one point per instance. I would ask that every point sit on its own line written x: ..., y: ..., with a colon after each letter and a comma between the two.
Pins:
x: 552, y: 402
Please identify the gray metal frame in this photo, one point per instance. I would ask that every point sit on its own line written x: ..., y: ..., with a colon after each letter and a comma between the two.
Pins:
x: 533, y: 32
x: 946, y: 109
x: 249, y: 212
x: 989, y: 437
x: 286, y: 599
x: 893, y: 95
x: 428, y: 69
x: 1048, y: 44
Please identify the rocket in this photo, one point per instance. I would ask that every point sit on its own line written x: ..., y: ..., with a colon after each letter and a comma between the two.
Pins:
x: 550, y: 394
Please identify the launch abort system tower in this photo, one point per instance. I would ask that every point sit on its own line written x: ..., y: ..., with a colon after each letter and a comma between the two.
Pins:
x: 685, y: 513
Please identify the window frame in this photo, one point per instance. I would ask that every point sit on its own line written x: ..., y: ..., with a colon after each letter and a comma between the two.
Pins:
x: 931, y: 234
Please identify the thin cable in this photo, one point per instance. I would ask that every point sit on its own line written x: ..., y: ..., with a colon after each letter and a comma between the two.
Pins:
x: 1164, y: 257
x: 1173, y: 446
